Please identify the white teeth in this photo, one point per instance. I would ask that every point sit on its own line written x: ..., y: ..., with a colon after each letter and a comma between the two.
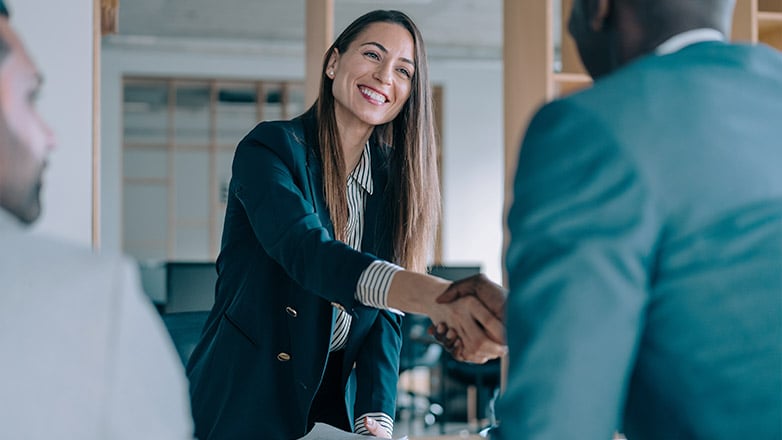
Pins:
x: 373, y: 94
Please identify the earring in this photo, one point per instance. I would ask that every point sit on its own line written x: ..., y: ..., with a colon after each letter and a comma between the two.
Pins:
x: 331, y: 73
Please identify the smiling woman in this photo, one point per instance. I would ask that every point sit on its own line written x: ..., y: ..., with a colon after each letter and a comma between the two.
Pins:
x: 319, y: 209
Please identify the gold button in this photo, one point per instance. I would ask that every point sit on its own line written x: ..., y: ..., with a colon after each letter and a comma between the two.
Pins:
x: 283, y: 357
x: 338, y: 306
x: 291, y: 311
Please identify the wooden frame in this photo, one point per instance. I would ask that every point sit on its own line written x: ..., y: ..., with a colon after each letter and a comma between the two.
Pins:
x: 319, y: 35
x: 211, y: 145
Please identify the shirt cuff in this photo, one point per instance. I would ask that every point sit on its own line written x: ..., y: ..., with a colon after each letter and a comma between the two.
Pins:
x: 373, y: 285
x: 383, y: 419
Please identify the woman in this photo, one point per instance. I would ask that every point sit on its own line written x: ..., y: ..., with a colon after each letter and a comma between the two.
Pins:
x: 318, y: 209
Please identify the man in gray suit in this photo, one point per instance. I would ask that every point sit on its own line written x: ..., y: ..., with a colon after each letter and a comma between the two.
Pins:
x: 645, y: 262
x: 82, y: 354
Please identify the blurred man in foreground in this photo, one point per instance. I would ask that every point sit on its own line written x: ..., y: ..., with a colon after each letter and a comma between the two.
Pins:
x: 645, y: 263
x: 84, y: 355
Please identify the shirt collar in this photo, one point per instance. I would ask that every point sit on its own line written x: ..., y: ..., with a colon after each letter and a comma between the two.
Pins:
x: 9, y: 222
x: 684, y: 39
x: 362, y: 174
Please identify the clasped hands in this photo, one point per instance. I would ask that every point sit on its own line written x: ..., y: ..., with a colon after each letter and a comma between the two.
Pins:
x: 473, y: 328
x: 469, y: 312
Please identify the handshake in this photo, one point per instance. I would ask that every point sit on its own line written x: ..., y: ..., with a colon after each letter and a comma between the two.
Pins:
x: 474, y: 331
x: 467, y: 315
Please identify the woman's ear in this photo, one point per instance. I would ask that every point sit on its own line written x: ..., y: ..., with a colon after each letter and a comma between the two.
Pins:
x: 333, y: 63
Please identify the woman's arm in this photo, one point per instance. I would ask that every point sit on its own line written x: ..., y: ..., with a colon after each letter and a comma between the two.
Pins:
x: 377, y: 373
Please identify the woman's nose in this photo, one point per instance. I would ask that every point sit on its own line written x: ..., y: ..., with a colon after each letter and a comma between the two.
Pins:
x: 383, y: 73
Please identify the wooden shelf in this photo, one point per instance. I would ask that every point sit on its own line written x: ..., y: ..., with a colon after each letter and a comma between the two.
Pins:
x: 770, y: 28
x: 147, y: 146
x: 565, y: 83
x: 769, y: 21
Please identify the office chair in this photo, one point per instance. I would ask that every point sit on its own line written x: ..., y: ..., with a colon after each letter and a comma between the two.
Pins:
x: 419, y: 349
x: 185, y: 330
x: 482, y: 382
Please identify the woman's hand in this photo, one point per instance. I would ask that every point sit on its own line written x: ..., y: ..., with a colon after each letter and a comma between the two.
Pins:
x: 375, y: 429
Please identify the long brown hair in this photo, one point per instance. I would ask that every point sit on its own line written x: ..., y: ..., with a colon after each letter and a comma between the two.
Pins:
x: 414, y: 190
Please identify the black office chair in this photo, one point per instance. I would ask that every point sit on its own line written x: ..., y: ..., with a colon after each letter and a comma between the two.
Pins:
x: 419, y: 349
x: 486, y: 380
x: 185, y: 330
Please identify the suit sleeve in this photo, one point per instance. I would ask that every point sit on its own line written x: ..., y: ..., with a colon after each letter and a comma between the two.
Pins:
x: 377, y: 369
x: 147, y: 389
x: 582, y: 230
x: 269, y: 180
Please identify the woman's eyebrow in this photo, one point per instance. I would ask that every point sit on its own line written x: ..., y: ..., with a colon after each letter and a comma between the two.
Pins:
x: 384, y: 50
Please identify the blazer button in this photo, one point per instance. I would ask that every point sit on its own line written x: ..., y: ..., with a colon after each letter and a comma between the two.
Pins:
x: 283, y: 357
x: 338, y: 306
x: 291, y: 311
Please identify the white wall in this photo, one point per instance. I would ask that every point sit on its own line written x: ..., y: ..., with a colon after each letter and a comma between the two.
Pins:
x: 58, y: 34
x: 472, y: 168
x: 472, y: 162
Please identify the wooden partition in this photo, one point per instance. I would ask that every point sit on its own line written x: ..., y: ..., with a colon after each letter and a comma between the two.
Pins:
x: 319, y: 34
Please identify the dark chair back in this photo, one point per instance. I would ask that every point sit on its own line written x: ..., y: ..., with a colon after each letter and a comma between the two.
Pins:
x: 185, y: 329
x: 418, y: 347
x: 190, y: 286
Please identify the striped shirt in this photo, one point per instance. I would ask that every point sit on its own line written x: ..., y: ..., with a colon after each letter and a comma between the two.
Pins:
x: 374, y: 282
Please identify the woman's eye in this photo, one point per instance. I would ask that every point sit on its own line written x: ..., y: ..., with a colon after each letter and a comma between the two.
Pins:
x: 372, y: 55
x: 405, y: 72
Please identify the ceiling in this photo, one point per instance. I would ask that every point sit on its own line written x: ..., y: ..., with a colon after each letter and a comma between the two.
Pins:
x: 462, y: 28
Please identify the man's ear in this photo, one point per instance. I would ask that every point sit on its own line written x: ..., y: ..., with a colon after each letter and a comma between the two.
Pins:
x: 599, y: 12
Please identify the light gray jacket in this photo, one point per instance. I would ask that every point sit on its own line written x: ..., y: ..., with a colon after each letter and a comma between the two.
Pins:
x: 82, y: 353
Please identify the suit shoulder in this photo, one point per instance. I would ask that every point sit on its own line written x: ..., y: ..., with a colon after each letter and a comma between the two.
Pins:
x: 54, y: 249
x: 62, y: 274
x: 85, y: 261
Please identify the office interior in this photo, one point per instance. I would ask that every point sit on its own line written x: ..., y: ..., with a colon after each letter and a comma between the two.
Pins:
x: 149, y: 97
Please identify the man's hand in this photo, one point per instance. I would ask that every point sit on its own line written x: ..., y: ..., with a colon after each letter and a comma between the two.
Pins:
x: 491, y: 296
x: 479, y: 335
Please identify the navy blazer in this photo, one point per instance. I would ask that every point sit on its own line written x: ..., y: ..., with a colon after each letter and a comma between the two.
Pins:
x: 281, y: 276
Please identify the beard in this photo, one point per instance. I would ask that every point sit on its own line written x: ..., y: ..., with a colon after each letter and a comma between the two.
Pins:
x: 22, y: 177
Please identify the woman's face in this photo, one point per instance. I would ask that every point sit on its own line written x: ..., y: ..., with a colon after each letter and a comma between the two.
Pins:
x: 373, y: 77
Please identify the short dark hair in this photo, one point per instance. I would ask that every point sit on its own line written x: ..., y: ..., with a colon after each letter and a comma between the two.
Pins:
x: 4, y: 48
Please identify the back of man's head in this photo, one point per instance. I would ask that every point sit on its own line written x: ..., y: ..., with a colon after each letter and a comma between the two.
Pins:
x: 4, y: 49
x: 611, y: 33
x: 661, y: 19
x: 25, y: 139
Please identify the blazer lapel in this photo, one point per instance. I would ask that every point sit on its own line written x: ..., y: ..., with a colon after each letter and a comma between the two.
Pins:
x: 377, y: 238
x: 315, y: 175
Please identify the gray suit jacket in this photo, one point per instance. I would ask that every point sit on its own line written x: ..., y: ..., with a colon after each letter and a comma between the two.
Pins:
x: 645, y: 263
x: 82, y: 352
